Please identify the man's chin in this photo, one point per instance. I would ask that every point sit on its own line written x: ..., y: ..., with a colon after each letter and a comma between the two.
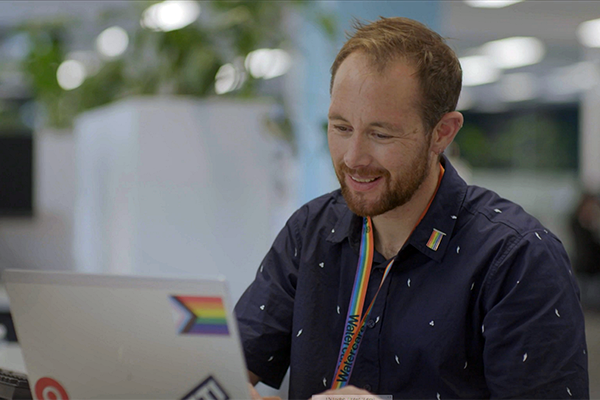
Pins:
x: 361, y: 207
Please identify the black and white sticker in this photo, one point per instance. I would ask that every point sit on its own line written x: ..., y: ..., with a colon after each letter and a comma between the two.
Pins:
x: 209, y: 389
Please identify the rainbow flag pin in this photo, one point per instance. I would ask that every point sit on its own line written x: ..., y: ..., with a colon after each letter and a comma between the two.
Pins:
x: 435, y: 239
x: 199, y: 315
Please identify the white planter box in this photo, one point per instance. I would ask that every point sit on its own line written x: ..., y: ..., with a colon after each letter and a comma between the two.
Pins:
x: 174, y: 186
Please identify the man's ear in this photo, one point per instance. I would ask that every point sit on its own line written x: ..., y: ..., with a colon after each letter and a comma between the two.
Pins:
x: 446, y: 129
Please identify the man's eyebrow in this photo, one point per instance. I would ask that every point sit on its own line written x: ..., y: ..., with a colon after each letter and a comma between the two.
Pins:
x: 385, y: 125
x: 377, y: 124
x: 337, y: 116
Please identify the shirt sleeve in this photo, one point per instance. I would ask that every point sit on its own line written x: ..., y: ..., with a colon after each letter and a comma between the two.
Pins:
x: 265, y: 310
x: 533, y: 329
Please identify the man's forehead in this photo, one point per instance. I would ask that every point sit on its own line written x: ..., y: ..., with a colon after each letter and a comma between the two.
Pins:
x: 357, y: 72
x: 374, y: 64
x: 376, y: 97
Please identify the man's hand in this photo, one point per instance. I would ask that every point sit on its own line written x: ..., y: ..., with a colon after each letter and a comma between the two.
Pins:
x: 346, y: 390
x: 351, y: 390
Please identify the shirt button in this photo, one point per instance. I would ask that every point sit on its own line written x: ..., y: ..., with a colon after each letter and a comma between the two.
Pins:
x: 367, y: 387
x: 370, y: 323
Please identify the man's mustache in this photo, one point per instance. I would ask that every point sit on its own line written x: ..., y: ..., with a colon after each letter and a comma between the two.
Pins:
x: 368, y: 171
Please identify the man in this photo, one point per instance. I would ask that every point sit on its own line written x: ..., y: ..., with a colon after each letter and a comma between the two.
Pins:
x: 473, y: 297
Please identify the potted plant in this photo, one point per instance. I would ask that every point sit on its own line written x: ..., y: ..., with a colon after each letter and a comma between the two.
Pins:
x: 175, y: 174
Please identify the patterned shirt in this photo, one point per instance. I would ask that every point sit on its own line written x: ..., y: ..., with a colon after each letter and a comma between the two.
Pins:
x: 480, y: 302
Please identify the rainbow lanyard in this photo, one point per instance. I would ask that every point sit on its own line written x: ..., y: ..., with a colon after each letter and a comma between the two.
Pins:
x: 354, y: 323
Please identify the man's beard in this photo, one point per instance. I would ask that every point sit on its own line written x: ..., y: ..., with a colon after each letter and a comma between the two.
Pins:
x: 395, y: 194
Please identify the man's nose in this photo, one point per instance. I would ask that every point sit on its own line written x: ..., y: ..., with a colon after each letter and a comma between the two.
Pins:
x: 358, y: 152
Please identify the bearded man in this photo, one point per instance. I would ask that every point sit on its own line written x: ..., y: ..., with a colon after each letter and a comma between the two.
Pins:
x: 407, y: 281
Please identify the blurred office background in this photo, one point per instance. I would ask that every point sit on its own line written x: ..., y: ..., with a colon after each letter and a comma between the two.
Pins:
x: 175, y: 138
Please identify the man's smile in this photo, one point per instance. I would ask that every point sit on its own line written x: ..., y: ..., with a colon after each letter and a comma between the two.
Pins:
x: 361, y: 183
x: 363, y: 180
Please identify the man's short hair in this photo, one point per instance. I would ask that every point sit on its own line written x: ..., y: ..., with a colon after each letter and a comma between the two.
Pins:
x: 438, y: 69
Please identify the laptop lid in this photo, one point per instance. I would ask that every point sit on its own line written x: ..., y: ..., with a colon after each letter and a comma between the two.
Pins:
x: 126, y: 337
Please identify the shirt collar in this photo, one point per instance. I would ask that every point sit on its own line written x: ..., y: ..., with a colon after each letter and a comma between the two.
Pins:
x: 441, y: 217
x: 349, y: 225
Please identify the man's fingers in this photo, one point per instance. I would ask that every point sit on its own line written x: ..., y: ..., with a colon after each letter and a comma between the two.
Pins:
x: 345, y: 390
x: 253, y: 393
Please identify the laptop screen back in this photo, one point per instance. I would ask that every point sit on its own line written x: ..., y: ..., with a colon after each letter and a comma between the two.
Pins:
x: 99, y: 337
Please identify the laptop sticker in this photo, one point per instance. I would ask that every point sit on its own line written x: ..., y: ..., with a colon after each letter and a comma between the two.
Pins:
x: 199, y: 315
x: 207, y: 390
x: 49, y: 389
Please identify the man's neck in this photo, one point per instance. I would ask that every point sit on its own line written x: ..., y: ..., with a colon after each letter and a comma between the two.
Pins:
x: 392, y: 229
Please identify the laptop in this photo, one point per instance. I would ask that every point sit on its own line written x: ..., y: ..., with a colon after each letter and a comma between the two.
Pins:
x: 89, y: 336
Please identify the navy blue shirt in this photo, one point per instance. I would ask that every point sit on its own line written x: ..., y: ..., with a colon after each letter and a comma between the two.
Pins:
x: 492, y: 312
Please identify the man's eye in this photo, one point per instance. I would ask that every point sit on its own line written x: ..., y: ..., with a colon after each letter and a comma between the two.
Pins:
x: 342, y: 128
x: 381, y: 136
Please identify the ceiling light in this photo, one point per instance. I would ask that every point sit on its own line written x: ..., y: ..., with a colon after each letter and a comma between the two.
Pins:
x: 514, y: 52
x: 491, y: 3
x: 229, y: 78
x: 225, y: 79
x: 112, y: 42
x: 589, y: 33
x: 478, y: 70
x: 70, y: 74
x: 267, y: 63
x: 170, y: 15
